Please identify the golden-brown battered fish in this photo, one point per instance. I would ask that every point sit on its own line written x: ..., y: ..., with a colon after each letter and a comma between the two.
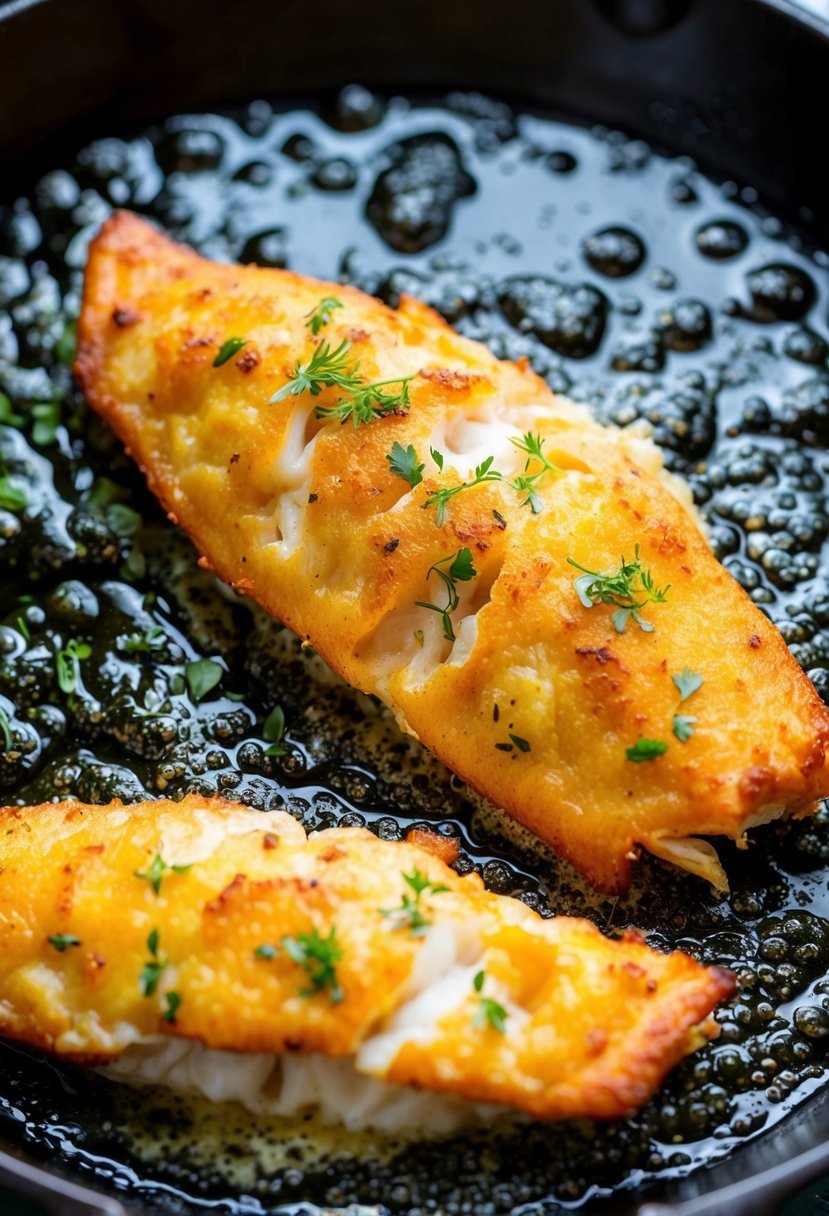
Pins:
x: 212, y: 947
x: 572, y: 700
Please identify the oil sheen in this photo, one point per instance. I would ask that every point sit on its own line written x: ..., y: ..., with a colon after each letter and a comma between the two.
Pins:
x: 632, y: 283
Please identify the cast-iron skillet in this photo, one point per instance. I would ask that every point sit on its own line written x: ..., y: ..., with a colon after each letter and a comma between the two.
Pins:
x: 738, y: 84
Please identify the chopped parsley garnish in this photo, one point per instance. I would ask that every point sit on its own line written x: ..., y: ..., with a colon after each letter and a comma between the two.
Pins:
x: 228, y: 349
x: 646, y: 749
x: 68, y: 664
x: 12, y: 497
x: 5, y: 730
x: 156, y: 870
x: 629, y: 589
x: 47, y: 420
x: 688, y: 682
x: 173, y: 1005
x: 202, y: 676
x: 405, y: 464
x: 683, y: 726
x: 153, y: 970
x: 437, y: 457
x: 266, y: 951
x: 410, y: 913
x: 484, y: 472
x: 321, y: 315
x: 331, y: 368
x: 23, y: 628
x: 142, y: 643
x: 490, y: 1013
x: 419, y: 637
x: 273, y: 730
x: 456, y: 568
x: 7, y: 414
x: 318, y: 955
x: 62, y: 941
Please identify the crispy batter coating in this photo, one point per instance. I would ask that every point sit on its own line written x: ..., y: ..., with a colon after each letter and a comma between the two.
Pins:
x: 307, y: 517
x: 592, y: 1025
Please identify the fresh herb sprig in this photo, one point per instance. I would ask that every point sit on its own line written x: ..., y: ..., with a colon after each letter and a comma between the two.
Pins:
x: 484, y: 472
x: 404, y: 462
x: 490, y: 1012
x: 410, y: 915
x: 155, y: 871
x: 527, y: 482
x: 456, y: 568
x: 331, y: 367
x: 274, y: 730
x: 318, y: 956
x: 319, y: 316
x: 629, y: 589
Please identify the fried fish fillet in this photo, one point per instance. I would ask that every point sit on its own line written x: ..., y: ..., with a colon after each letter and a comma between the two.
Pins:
x: 524, y: 678
x: 205, y: 945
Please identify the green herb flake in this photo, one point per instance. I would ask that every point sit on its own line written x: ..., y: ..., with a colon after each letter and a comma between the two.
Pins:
x: 202, y: 676
x: 5, y: 730
x: 646, y: 749
x: 266, y: 951
x: 404, y: 463
x: 490, y: 1012
x: 437, y: 457
x: 274, y: 730
x: 461, y: 568
x: 143, y: 643
x: 66, y: 344
x: 124, y: 521
x: 153, y: 970
x: 522, y: 744
x: 23, y: 628
x: 409, y: 915
x: 12, y: 497
x: 228, y: 349
x: 173, y: 1000
x: 629, y: 589
x: 688, y: 682
x: 683, y: 727
x: 419, y: 637
x: 318, y: 317
x: 156, y: 870
x: 318, y: 956
x: 68, y: 664
x: 62, y: 941
x: 46, y: 415
x: 7, y: 414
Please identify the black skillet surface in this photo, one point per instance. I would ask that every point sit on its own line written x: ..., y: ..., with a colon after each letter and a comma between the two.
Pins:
x: 532, y: 207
